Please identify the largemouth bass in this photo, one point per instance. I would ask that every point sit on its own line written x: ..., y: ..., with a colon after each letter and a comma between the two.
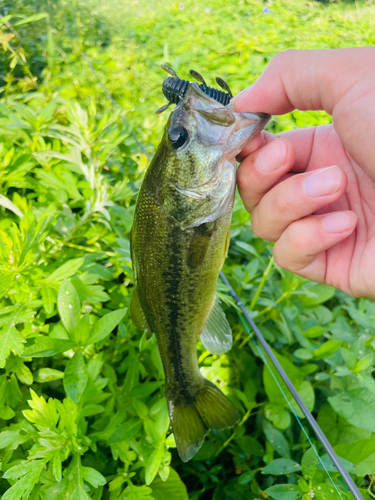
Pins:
x: 179, y: 241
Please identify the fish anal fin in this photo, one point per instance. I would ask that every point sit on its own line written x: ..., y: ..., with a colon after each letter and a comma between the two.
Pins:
x: 191, y: 422
x: 217, y: 334
x: 137, y: 315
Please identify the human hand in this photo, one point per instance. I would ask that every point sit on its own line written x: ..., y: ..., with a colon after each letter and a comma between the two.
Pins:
x: 296, y: 178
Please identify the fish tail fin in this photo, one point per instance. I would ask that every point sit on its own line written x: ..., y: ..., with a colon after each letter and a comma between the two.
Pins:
x: 211, y: 409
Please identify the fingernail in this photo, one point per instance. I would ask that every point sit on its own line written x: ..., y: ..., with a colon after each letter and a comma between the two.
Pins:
x: 339, y: 221
x: 324, y: 181
x: 272, y: 156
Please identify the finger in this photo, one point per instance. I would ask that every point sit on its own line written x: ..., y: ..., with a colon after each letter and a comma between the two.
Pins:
x: 302, y: 141
x: 306, y: 79
x: 260, y: 171
x: 294, y: 198
x: 301, y: 248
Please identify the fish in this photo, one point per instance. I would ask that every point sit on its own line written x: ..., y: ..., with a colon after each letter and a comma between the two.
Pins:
x: 179, y: 241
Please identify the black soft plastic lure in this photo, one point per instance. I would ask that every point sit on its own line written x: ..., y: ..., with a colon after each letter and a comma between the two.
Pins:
x: 175, y: 89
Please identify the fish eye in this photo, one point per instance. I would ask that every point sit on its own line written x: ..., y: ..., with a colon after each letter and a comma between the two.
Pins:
x: 178, y: 136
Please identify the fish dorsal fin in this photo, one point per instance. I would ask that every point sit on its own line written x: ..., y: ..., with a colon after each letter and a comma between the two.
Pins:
x: 137, y: 315
x: 217, y: 334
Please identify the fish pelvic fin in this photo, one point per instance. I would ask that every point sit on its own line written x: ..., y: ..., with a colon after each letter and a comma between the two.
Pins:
x: 217, y: 334
x: 211, y: 410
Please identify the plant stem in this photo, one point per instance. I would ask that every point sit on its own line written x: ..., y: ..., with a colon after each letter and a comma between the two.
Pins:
x: 261, y: 284
x: 86, y: 249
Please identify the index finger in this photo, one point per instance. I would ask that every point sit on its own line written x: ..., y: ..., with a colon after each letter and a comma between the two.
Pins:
x: 305, y: 80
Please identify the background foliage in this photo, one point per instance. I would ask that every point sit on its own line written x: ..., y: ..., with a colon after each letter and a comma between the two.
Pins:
x: 82, y: 407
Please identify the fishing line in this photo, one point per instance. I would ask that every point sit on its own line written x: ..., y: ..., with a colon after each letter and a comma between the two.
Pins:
x: 309, y: 417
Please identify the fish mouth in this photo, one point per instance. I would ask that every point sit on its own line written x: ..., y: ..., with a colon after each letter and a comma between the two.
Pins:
x: 264, y: 117
x: 261, y: 118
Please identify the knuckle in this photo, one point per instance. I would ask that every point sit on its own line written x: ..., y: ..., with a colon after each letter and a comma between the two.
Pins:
x: 260, y: 227
x: 283, y: 57
x: 293, y: 237
x: 281, y: 202
x: 280, y: 255
x: 243, y: 179
x: 256, y: 227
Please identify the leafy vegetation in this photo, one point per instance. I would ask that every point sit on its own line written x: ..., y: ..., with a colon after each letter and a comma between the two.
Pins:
x: 82, y: 407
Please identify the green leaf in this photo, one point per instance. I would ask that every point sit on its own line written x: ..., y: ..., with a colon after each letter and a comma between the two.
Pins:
x: 10, y: 341
x: 364, y: 363
x: 278, y: 415
x: 47, y: 346
x: 306, y: 391
x: 13, y: 438
x: 317, y: 294
x: 79, y: 494
x: 153, y: 463
x: 57, y: 466
x: 48, y: 298
x: 68, y: 305
x: 309, y: 462
x: 27, y: 475
x: 126, y: 431
x: 4, y: 202
x: 330, y: 467
x: 172, y: 488
x: 274, y: 394
x: 75, y: 377
x: 277, y: 439
x: 145, y: 389
x: 137, y: 493
x: 361, y: 453
x: 357, y: 407
x: 284, y: 492
x: 302, y: 353
x: 281, y: 466
x: 32, y: 19
x: 326, y: 491
x: 91, y: 293
x: 314, y: 332
x: 327, y: 349
x: 338, y: 428
x: 81, y: 332
x: 66, y: 270
x: 105, y: 325
x: 48, y: 375
x: 93, y: 477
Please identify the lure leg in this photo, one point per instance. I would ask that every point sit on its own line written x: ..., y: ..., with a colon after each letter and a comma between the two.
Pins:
x: 169, y: 70
x: 223, y: 84
x: 198, y: 77
x: 163, y: 108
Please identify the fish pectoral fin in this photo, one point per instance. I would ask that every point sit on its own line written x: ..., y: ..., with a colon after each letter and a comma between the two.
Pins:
x: 137, y: 315
x: 192, y: 421
x: 217, y: 334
